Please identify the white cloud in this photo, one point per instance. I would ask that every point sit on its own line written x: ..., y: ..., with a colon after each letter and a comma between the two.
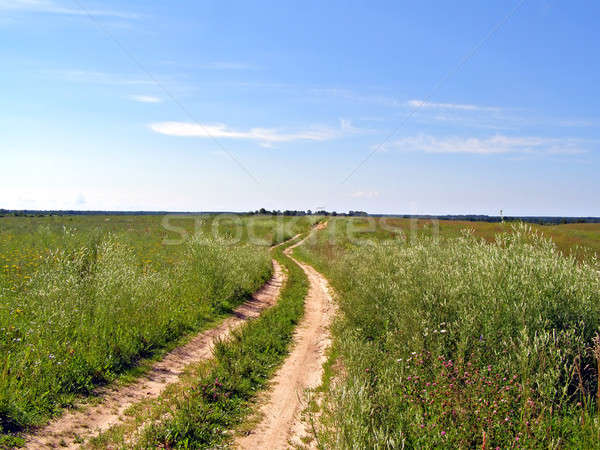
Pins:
x: 452, y: 106
x: 145, y: 99
x: 383, y: 100
x: 497, y: 144
x: 365, y: 194
x: 593, y: 122
x: 87, y: 76
x: 266, y: 136
x: 50, y: 7
x: 355, y: 97
x: 347, y: 128
x: 228, y: 65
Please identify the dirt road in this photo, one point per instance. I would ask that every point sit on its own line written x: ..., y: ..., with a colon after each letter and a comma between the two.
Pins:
x: 282, y: 425
x: 89, y: 421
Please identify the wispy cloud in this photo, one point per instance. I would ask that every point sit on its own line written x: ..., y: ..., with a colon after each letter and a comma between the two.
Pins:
x: 347, y: 128
x: 388, y: 101
x: 497, y: 144
x: 450, y: 106
x: 264, y: 135
x: 577, y: 123
x: 228, y: 65
x: 350, y: 95
x: 86, y: 76
x: 365, y: 194
x: 50, y: 7
x: 145, y: 99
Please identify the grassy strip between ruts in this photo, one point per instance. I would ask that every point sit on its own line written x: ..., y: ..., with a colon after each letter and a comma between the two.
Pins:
x: 242, y: 366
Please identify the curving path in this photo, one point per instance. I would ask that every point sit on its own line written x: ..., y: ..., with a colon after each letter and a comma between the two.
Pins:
x: 282, y: 425
x: 74, y: 425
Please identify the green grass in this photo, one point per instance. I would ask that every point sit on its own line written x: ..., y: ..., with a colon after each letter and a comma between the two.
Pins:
x: 83, y: 300
x: 84, y: 303
x: 459, y: 341
x: 222, y: 396
x: 580, y: 240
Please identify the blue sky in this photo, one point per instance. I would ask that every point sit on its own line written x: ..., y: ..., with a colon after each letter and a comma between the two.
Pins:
x: 219, y: 105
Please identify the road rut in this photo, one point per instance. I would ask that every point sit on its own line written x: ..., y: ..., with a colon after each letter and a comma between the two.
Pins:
x: 282, y: 425
x: 76, y: 425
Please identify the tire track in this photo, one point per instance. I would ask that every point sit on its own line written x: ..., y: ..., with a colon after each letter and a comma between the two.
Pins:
x: 68, y: 430
x: 282, y: 425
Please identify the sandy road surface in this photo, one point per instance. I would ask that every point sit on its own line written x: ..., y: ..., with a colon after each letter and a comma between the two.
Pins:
x: 91, y: 420
x: 281, y: 425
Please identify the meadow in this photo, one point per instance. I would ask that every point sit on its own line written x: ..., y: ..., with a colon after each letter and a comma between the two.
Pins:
x: 581, y: 240
x: 449, y: 334
x: 484, y: 338
x: 221, y: 395
x: 84, y: 299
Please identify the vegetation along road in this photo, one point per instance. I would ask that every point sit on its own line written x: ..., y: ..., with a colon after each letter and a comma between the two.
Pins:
x: 439, y: 335
x: 146, y: 411
x: 282, y: 422
x: 79, y: 425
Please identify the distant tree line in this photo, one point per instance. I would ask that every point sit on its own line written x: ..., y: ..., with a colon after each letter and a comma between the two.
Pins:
x: 540, y: 220
x: 288, y: 212
x: 68, y: 212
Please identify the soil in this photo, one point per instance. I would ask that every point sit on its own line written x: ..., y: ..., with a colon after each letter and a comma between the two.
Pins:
x: 68, y: 430
x: 283, y: 424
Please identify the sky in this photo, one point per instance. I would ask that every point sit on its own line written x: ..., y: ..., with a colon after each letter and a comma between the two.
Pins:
x: 429, y: 107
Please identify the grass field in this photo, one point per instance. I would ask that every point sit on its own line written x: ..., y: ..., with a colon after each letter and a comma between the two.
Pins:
x: 85, y: 298
x: 219, y: 398
x: 450, y: 334
x: 459, y: 340
x: 581, y: 240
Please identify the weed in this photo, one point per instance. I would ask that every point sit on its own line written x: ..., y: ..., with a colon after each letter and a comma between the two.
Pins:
x: 460, y: 342
x: 85, y: 303
x: 223, y: 396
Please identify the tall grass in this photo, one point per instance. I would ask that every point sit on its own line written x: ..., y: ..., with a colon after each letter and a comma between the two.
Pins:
x: 461, y: 343
x: 90, y: 310
x: 221, y: 396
